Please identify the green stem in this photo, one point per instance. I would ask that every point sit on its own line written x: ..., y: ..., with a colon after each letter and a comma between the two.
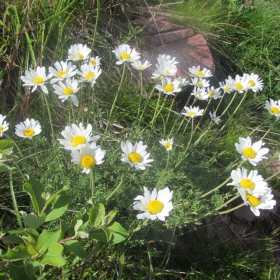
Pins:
x: 272, y: 176
x: 114, y: 191
x: 204, y: 112
x: 91, y: 180
x: 229, y: 104
x: 164, y: 171
x: 121, y: 258
x: 96, y: 23
x: 226, y: 203
x: 14, y: 142
x: 141, y: 93
x: 34, y: 150
x: 50, y: 115
x: 14, y: 201
x: 232, y: 209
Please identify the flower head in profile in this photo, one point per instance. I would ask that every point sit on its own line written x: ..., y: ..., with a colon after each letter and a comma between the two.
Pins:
x: 200, y: 93
x: 136, y: 155
x: 213, y: 92
x: 139, y: 66
x: 240, y: 83
x: 273, y: 107
x: 254, y: 82
x: 252, y: 152
x: 226, y: 86
x: 182, y: 82
x: 4, y: 126
x: 215, y: 118
x: 62, y: 70
x: 77, y: 136
x: 168, y: 86
x: 28, y: 129
x: 155, y: 204
x: 252, y: 182
x: 165, y: 67
x: 168, y: 143
x: 35, y: 78
x: 88, y: 156
x: 125, y: 54
x: 89, y: 73
x: 67, y: 90
x: 200, y: 83
x: 196, y: 72
x: 95, y: 61
x: 257, y: 202
x: 192, y: 111
x: 78, y: 52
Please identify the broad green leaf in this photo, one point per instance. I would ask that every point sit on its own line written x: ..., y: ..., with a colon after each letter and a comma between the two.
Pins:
x: 31, y: 267
x: 47, y: 238
x: 119, y: 234
x: 73, y: 229
x: 4, y: 168
x: 32, y: 246
x: 110, y: 217
x: 78, y: 225
x: 57, y: 208
x: 101, y: 234
x: 32, y: 221
x: 12, y: 238
x: 37, y: 193
x: 32, y: 233
x: 53, y: 196
x: 6, y: 146
x: 74, y: 246
x: 96, y: 215
x: 17, y: 253
x: 17, y: 272
x: 54, y: 255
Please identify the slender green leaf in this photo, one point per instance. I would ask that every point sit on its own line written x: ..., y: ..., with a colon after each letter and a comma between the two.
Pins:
x: 101, y: 234
x: 119, y: 234
x: 47, y: 238
x: 53, y: 196
x: 74, y: 246
x: 32, y: 233
x: 12, y: 238
x: 96, y: 215
x: 83, y: 225
x: 32, y: 221
x: 17, y: 253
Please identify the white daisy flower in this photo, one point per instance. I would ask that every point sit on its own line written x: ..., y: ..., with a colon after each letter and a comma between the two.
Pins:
x: 255, y: 202
x: 255, y: 83
x: 252, y: 182
x: 89, y: 73
x: 195, y: 71
x: 166, y: 66
x: 226, y: 86
x: 201, y: 83
x: 88, y: 156
x: 168, y: 143
x: 240, y: 84
x: 214, y: 92
x: 63, y: 70
x: 155, y: 205
x: 182, y: 82
x: 252, y: 152
x: 138, y: 65
x: 136, y: 155
x: 165, y: 58
x: 192, y: 112
x: 125, y: 54
x: 28, y: 128
x: 78, y: 52
x: 200, y: 93
x: 273, y: 107
x: 77, y: 136
x: 168, y: 86
x: 215, y: 118
x: 4, y: 126
x: 95, y: 61
x: 34, y: 78
x: 66, y: 90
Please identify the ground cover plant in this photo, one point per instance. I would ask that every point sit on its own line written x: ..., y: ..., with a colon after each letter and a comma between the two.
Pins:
x: 98, y: 164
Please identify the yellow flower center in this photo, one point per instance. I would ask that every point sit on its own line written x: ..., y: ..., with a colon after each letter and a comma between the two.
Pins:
x: 239, y: 86
x: 227, y: 88
x: 68, y: 91
x: 29, y: 132
x: 93, y: 62
x: 199, y: 73
x: 78, y: 140
x: 252, y: 83
x: 247, y: 184
x: 168, y: 88
x: 141, y: 67
x: 1, y: 128
x: 167, y: 72
x: 200, y: 84
x: 254, y: 201
x: 191, y: 114
x: 275, y: 110
x: 61, y: 74
x: 38, y: 80
x: 168, y: 145
x: 155, y: 206
x: 78, y: 55
x: 89, y: 75
x: 125, y: 56
x: 211, y: 93
x: 249, y: 153
x: 88, y: 161
x: 134, y: 157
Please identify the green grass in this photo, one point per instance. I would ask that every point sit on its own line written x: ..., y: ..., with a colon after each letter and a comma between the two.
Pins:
x: 40, y: 34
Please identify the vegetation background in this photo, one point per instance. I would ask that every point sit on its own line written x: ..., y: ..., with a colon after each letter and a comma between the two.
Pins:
x: 243, y: 37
